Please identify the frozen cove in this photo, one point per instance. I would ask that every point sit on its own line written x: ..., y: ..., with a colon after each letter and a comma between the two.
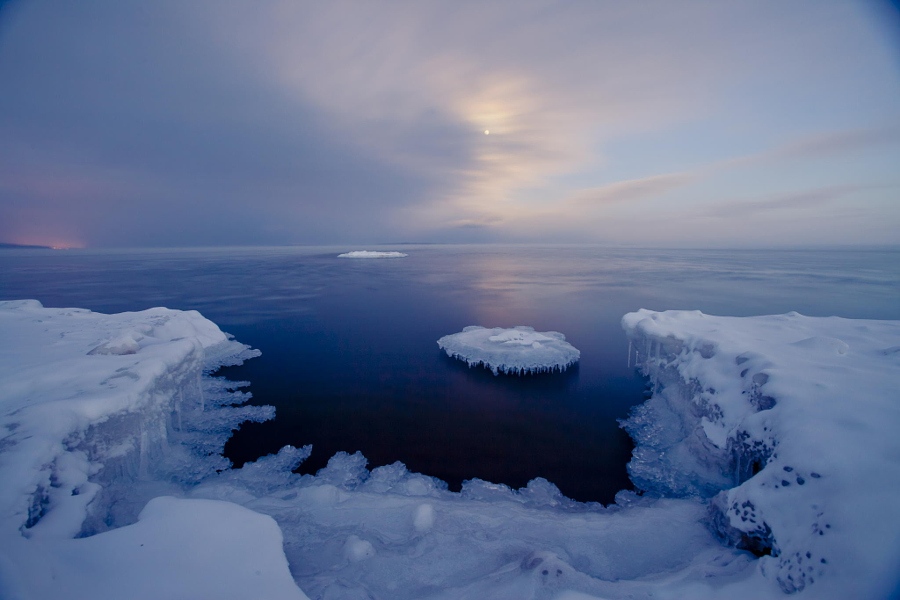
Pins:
x: 768, y: 457
x: 518, y: 350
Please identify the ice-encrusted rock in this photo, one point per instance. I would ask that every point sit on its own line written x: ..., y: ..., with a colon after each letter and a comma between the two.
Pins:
x: 518, y: 350
x: 99, y: 414
x: 789, y: 424
x: 371, y: 254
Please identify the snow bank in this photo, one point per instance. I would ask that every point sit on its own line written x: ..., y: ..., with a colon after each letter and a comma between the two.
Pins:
x: 352, y: 533
x: 178, y: 549
x: 371, y: 254
x: 518, y: 350
x: 789, y: 423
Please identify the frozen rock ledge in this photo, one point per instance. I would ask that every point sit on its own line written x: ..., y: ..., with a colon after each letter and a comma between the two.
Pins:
x: 788, y: 424
x: 371, y: 254
x: 519, y: 350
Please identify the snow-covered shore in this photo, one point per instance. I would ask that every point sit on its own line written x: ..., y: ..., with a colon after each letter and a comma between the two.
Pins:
x: 113, y: 481
x: 789, y: 424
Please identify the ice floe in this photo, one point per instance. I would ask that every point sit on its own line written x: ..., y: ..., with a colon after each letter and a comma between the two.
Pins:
x: 371, y: 254
x: 518, y: 350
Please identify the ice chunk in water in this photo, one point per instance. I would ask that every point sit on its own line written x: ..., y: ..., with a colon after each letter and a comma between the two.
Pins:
x: 371, y: 254
x: 518, y: 350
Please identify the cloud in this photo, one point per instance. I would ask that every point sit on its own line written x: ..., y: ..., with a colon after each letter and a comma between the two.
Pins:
x: 231, y: 121
x: 545, y: 81
x: 632, y: 190
x: 809, y: 199
x: 822, y: 145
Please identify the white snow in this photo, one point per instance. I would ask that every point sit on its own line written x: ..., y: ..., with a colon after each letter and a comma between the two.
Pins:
x: 178, y: 549
x: 790, y: 424
x: 114, y: 486
x: 99, y: 414
x: 519, y: 350
x: 371, y: 254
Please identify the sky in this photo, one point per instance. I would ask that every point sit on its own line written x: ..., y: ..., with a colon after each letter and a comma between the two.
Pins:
x: 244, y: 122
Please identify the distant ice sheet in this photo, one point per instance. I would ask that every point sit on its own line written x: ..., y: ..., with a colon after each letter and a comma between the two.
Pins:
x: 371, y: 254
x: 518, y: 350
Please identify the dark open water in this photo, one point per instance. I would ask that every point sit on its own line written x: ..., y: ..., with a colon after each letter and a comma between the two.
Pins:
x: 350, y: 358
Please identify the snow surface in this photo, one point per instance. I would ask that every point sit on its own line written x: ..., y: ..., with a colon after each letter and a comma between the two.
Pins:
x: 520, y: 350
x: 114, y: 485
x: 371, y: 254
x: 790, y: 424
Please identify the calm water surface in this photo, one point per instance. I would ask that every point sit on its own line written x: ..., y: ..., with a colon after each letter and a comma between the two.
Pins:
x: 350, y: 358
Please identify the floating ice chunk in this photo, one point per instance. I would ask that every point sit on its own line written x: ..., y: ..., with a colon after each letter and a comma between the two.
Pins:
x: 371, y: 254
x: 518, y: 350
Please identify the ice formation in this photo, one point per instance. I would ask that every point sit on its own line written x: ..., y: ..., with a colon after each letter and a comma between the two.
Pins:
x: 99, y: 415
x: 519, y: 350
x: 789, y: 425
x: 371, y: 254
x: 114, y: 485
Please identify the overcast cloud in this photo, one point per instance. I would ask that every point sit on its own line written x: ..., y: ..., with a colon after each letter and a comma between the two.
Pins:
x: 221, y: 122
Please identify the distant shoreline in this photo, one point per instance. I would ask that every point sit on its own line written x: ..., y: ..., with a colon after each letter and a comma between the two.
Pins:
x: 5, y: 245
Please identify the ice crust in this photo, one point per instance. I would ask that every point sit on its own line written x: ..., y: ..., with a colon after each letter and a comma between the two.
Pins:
x: 371, y: 254
x: 99, y: 414
x: 519, y: 350
x: 789, y: 425
x: 114, y: 485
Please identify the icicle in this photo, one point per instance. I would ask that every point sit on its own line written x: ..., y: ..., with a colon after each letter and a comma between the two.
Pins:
x: 200, y: 392
x: 142, y: 464
x: 629, y: 354
x: 178, y: 408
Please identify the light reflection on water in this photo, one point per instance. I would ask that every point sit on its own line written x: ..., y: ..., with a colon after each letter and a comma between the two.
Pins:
x: 349, y: 354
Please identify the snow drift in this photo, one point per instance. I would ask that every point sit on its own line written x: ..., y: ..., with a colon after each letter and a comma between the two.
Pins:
x: 100, y: 414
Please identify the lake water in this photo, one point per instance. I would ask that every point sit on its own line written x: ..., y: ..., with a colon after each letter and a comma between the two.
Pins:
x: 350, y: 358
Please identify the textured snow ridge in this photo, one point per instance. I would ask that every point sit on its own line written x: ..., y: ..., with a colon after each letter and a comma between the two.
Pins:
x: 519, y: 350
x: 389, y: 534
x: 789, y: 424
x: 371, y: 254
x: 99, y: 414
